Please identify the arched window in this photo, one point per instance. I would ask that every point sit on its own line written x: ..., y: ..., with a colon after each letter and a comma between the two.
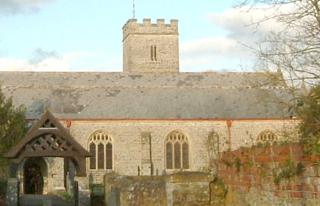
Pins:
x: 100, y: 147
x: 177, y: 151
x: 267, y: 136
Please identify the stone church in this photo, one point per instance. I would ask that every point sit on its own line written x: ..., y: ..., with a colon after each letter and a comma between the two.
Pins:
x: 149, y: 119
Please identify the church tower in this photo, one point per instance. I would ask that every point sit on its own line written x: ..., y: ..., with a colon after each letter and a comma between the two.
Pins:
x: 150, y: 47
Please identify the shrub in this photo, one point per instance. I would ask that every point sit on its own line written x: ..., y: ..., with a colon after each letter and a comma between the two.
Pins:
x: 3, y: 189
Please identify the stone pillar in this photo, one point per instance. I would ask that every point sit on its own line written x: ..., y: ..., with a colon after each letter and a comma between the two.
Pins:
x: 112, y: 193
x: 169, y: 190
x: 83, y: 191
x: 12, y: 194
x: 146, y: 154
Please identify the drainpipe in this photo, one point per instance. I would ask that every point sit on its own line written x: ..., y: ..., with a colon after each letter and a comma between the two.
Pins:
x: 229, y: 125
x: 150, y: 150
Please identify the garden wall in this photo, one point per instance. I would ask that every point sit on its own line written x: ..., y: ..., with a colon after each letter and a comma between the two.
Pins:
x: 256, y: 176
x: 179, y: 189
x: 273, y: 175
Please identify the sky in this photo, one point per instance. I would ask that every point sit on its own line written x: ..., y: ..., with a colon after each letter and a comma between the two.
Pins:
x: 82, y: 35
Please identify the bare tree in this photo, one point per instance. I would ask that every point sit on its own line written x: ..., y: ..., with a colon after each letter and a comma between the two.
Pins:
x: 295, y: 48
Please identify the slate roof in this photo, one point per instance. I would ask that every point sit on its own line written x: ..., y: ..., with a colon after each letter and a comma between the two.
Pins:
x: 105, y: 95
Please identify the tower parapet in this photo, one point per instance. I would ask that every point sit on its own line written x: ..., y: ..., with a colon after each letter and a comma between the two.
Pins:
x: 147, y: 27
x: 150, y: 47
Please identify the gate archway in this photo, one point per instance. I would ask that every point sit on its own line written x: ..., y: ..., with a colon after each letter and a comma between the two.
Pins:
x: 34, y: 172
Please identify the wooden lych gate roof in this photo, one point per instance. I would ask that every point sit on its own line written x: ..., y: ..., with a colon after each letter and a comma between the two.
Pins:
x: 48, y: 138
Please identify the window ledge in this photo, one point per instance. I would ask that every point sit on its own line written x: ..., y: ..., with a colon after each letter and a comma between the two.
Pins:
x: 101, y: 170
x: 173, y: 171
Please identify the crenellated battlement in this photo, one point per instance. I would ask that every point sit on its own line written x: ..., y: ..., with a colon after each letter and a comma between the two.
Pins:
x: 147, y: 27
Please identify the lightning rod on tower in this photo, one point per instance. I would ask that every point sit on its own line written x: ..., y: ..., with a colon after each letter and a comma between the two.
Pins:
x: 134, y: 10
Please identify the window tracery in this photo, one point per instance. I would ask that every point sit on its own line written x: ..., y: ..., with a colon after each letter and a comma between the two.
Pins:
x: 177, y: 151
x: 101, y: 149
x: 266, y: 136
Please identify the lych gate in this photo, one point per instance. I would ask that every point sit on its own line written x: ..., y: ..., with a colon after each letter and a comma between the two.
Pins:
x: 47, y: 143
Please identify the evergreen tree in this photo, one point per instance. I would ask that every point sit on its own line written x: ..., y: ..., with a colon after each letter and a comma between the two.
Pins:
x: 309, y: 112
x: 13, y: 127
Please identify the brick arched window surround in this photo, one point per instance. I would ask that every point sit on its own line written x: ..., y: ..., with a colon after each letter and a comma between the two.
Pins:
x: 177, y: 151
x: 101, y: 148
x: 266, y: 136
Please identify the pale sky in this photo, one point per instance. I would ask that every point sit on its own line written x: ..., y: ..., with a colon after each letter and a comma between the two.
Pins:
x: 86, y: 35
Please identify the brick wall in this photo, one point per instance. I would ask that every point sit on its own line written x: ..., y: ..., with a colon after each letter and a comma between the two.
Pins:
x: 271, y: 175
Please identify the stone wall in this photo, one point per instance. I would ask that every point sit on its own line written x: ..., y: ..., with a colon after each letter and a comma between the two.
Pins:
x: 12, y: 192
x: 188, y: 189
x: 129, y: 151
x: 135, y: 191
x: 178, y: 189
x: 277, y: 175
x: 137, y: 42
x: 55, y: 174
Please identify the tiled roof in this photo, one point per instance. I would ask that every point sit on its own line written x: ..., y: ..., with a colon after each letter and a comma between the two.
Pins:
x: 147, y: 96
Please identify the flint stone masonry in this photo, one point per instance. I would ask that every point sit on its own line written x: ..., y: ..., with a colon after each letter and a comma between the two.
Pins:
x: 12, y: 192
x: 126, y: 136
x: 244, y: 133
x: 55, y: 174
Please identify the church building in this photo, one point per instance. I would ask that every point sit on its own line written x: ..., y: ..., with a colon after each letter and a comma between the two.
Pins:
x: 150, y: 119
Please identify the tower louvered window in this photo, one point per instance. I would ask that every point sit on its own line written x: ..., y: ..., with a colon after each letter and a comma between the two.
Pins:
x: 153, y: 53
x: 100, y: 147
x: 177, y: 151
